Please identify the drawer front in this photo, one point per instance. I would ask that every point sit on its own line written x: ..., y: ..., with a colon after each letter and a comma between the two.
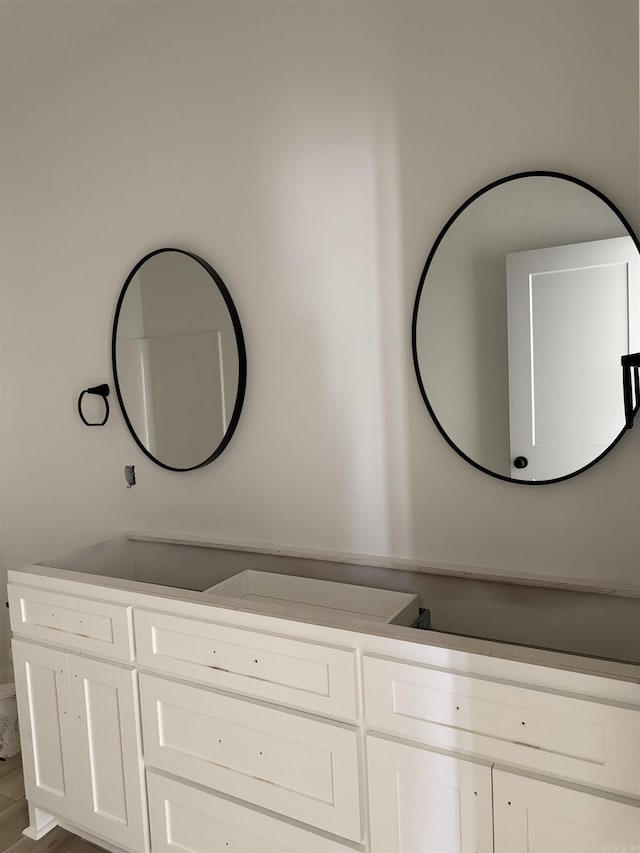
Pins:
x: 77, y: 623
x: 292, y: 672
x: 575, y: 739
x: 186, y: 818
x: 296, y: 766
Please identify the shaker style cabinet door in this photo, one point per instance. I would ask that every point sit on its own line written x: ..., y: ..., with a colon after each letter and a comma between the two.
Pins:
x: 108, y: 749
x: 46, y: 729
x: 426, y: 802
x: 81, y: 750
x: 540, y: 817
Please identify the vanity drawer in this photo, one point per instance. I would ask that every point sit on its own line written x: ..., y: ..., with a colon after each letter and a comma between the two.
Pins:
x: 576, y: 739
x: 186, y: 818
x: 85, y: 624
x: 290, y: 672
x: 288, y: 763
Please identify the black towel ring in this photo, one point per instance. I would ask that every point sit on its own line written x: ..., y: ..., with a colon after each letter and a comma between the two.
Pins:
x: 100, y: 391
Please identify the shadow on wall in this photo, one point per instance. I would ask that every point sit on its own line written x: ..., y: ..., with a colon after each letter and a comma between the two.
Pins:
x: 316, y: 193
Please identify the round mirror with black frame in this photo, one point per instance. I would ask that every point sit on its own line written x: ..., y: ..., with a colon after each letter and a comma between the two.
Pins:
x: 179, y: 360
x: 529, y: 297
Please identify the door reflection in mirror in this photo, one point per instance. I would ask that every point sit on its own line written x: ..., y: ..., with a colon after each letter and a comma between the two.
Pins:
x: 178, y: 359
x: 572, y: 310
x: 571, y: 326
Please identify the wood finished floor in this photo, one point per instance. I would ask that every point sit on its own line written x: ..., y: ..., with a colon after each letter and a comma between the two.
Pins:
x: 14, y: 818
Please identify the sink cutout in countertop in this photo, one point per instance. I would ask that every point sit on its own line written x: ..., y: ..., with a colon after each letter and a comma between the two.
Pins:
x: 321, y: 598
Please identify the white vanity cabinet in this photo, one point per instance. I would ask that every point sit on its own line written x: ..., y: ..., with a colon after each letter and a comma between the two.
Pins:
x: 427, y: 798
x: 81, y: 747
x: 266, y: 733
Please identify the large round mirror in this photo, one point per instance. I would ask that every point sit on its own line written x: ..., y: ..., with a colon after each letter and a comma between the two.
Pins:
x: 179, y: 359
x: 528, y: 300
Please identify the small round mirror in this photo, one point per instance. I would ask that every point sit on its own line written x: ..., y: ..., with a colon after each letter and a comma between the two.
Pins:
x: 179, y: 359
x: 529, y: 298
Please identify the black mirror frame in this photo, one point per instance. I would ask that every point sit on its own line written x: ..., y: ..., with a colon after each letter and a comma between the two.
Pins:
x: 414, y: 321
x: 242, y: 358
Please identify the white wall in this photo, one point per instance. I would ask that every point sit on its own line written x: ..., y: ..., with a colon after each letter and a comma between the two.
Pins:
x: 311, y: 151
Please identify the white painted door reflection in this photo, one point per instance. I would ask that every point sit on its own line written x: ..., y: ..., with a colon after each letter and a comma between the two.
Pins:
x: 166, y: 377
x: 572, y: 312
x: 169, y: 360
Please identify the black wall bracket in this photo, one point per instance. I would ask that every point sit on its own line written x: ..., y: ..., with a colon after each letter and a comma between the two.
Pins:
x: 630, y: 388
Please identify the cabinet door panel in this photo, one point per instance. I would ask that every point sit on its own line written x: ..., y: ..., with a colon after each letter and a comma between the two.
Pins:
x: 539, y: 817
x: 425, y: 802
x: 284, y: 762
x: 108, y: 749
x: 186, y: 818
x: 46, y: 729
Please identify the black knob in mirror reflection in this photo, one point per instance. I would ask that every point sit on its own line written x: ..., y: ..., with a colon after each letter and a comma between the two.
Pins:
x: 520, y: 462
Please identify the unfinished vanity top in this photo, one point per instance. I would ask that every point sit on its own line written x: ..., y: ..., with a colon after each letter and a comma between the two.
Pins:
x: 475, y: 614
